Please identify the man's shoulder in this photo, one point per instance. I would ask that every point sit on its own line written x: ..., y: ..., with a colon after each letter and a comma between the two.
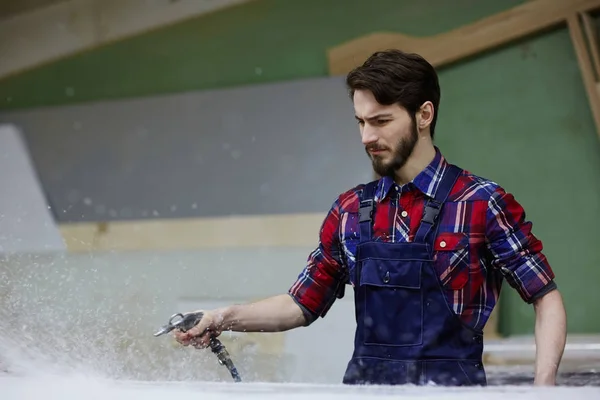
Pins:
x: 349, y: 200
x: 473, y: 187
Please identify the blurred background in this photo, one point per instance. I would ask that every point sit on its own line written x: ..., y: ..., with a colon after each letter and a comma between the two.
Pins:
x: 159, y: 156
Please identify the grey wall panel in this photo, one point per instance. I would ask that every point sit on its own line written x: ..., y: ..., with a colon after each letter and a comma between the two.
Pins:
x: 26, y: 224
x: 277, y: 148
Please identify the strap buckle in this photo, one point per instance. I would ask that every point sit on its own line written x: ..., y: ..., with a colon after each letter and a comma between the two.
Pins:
x: 431, y: 212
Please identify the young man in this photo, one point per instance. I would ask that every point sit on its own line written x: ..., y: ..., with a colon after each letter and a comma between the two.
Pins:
x: 425, y: 248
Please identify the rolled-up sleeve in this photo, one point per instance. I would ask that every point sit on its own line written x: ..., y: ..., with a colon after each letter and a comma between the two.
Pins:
x: 324, y: 277
x: 515, y: 250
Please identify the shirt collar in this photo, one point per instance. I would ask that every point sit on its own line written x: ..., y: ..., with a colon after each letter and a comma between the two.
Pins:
x: 427, y: 181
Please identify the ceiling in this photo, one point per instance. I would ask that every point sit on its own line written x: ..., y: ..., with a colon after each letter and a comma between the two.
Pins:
x: 38, y: 25
x: 9, y: 8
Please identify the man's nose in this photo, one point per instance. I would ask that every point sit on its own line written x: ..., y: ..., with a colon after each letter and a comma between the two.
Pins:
x: 368, y: 135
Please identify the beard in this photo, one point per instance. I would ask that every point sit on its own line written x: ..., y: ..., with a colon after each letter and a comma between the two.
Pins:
x: 400, y: 154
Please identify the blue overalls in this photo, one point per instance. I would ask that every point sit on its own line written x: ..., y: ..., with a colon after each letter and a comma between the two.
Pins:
x: 406, y: 331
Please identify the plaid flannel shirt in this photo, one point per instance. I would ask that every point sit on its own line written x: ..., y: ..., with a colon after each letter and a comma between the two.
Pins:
x: 483, y: 237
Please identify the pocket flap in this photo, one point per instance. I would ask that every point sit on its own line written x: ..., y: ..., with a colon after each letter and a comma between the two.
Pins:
x: 450, y: 241
x: 391, y: 273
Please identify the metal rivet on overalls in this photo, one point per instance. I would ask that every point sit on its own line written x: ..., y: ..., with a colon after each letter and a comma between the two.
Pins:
x: 386, y: 278
x: 404, y: 214
x: 442, y: 244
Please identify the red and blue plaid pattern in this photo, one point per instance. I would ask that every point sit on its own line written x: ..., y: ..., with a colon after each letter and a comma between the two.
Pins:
x: 483, y: 237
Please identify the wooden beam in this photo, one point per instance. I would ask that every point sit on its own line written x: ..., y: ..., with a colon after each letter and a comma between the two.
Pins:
x: 445, y: 48
x: 585, y: 65
x: 285, y: 230
x: 590, y: 32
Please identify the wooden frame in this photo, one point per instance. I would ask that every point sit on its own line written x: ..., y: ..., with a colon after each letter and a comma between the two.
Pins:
x: 587, y: 51
x: 486, y: 34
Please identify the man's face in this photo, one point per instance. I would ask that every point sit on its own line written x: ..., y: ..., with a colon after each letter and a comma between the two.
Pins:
x: 388, y: 132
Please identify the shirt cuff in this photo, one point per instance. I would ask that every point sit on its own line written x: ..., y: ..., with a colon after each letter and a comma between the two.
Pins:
x: 543, y: 291
x: 308, y: 315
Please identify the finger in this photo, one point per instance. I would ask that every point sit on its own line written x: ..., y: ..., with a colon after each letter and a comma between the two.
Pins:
x: 181, y: 335
x: 184, y: 342
x: 206, y: 338
x: 199, y: 343
x: 178, y: 334
x: 182, y: 338
x: 198, y: 330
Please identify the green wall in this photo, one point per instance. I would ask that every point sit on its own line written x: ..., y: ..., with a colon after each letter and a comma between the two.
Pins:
x: 518, y: 115
x: 262, y: 41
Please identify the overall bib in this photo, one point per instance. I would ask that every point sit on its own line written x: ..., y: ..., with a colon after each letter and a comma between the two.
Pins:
x: 406, y: 331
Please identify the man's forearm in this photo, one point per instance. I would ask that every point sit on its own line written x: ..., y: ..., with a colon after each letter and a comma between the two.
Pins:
x: 274, y: 314
x: 550, y: 336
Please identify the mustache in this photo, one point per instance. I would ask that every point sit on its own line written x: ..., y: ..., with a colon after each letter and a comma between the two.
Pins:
x: 374, y: 147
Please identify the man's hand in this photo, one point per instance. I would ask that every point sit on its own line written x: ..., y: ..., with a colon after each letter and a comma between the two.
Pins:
x: 199, y: 336
x: 550, y: 337
x: 274, y: 314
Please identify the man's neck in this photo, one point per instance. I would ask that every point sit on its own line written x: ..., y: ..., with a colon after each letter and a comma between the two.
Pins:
x: 421, y: 157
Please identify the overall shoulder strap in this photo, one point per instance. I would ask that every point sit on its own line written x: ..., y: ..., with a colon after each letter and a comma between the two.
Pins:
x: 366, y: 210
x: 434, y: 206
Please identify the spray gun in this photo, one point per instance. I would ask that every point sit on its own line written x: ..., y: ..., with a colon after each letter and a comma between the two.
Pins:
x: 186, y: 322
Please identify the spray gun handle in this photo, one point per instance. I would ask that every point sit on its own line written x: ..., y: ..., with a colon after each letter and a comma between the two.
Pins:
x: 219, y: 350
x: 190, y: 320
x: 187, y: 322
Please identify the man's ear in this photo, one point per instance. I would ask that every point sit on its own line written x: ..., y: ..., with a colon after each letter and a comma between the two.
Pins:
x: 425, y: 115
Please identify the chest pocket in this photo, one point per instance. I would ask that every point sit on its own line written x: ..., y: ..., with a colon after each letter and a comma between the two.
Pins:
x: 452, y: 259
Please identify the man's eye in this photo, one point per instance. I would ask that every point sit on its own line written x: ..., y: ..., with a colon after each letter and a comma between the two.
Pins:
x: 383, y: 121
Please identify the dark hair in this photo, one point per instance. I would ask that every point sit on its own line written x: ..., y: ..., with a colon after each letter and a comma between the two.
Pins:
x: 396, y: 77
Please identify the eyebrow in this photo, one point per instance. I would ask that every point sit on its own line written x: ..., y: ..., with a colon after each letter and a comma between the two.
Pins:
x: 376, y: 116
